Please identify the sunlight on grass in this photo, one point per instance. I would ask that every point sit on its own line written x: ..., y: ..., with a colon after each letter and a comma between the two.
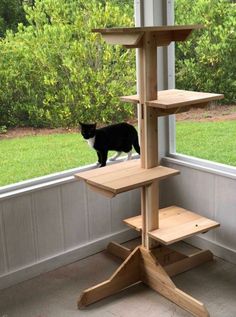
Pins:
x: 28, y: 157
x: 215, y: 141
x: 33, y: 156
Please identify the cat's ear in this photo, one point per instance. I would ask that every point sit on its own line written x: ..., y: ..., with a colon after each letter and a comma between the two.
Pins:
x: 80, y: 123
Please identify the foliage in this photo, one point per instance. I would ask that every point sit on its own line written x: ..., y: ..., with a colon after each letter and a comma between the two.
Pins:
x: 206, y: 62
x: 11, y: 13
x: 55, y: 71
x: 3, y: 129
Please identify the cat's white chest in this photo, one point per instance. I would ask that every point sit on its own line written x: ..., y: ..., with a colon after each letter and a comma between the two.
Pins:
x: 91, y: 142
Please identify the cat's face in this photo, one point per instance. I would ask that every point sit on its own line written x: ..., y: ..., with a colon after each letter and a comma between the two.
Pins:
x: 87, y: 130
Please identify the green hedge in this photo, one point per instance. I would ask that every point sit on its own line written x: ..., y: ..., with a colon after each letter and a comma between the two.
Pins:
x: 207, y: 61
x: 56, y: 72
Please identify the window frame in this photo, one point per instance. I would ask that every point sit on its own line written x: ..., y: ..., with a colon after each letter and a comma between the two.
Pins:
x: 194, y: 162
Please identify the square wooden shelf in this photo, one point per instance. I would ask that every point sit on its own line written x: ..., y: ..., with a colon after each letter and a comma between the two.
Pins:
x: 174, y: 100
x: 133, y: 37
x: 175, y: 224
x: 121, y: 177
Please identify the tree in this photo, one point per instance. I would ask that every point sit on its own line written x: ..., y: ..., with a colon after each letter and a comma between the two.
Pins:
x: 11, y: 13
x: 55, y: 71
x: 206, y: 62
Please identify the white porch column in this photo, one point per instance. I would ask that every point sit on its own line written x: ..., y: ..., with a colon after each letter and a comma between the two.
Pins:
x: 153, y: 13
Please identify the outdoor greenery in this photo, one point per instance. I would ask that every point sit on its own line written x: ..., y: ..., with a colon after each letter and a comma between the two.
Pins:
x: 28, y: 158
x: 11, y: 13
x: 208, y: 140
x: 55, y: 71
x: 214, y: 141
x: 206, y: 62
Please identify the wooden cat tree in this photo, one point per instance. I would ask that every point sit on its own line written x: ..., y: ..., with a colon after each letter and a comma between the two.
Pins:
x: 152, y: 262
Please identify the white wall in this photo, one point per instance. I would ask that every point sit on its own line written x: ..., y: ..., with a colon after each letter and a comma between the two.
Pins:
x: 211, y: 194
x: 45, y: 226
x: 49, y: 225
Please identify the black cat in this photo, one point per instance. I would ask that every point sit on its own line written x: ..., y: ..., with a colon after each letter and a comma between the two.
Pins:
x: 116, y: 137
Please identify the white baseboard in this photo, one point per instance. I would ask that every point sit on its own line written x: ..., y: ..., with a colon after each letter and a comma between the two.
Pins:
x: 67, y: 257
x: 83, y: 251
x: 218, y: 250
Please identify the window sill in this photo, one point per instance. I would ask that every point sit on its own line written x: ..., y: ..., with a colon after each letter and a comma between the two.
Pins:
x: 202, y: 165
x: 48, y: 180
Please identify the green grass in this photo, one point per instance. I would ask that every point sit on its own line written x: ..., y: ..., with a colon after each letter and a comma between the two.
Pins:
x: 29, y: 157
x: 215, y: 141
x: 33, y: 156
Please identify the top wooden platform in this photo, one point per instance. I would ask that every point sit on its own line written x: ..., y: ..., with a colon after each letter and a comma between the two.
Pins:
x: 132, y: 37
x: 121, y: 177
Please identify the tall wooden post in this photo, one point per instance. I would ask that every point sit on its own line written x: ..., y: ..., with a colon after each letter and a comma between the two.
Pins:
x: 149, y: 130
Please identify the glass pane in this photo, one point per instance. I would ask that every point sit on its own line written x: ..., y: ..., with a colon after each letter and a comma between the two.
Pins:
x: 208, y: 134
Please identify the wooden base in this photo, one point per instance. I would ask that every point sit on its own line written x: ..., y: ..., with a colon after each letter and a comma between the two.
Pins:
x: 154, y: 268
x: 118, y: 250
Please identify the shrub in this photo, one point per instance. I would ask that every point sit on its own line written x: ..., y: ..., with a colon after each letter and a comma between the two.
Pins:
x: 206, y: 62
x: 55, y: 71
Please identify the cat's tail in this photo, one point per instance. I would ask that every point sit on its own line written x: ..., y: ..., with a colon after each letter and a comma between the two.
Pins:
x: 136, y: 144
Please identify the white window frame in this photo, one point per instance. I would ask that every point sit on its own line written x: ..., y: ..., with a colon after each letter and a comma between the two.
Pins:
x: 171, y: 154
x: 168, y: 148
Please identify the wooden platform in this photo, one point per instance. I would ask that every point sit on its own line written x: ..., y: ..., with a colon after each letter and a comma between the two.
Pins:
x: 133, y: 37
x: 175, y: 224
x: 174, y: 99
x: 117, y: 178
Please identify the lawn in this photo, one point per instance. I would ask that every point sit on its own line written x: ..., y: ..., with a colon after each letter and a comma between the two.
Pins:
x: 32, y: 156
x: 215, y: 141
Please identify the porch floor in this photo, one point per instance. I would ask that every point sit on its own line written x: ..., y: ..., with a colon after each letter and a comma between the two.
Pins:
x: 54, y: 294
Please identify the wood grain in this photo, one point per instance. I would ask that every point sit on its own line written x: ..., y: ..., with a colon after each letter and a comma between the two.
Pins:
x: 175, y: 98
x: 124, y: 176
x: 148, y: 29
x: 128, y: 39
x: 127, y: 274
x: 118, y: 250
x: 175, y: 224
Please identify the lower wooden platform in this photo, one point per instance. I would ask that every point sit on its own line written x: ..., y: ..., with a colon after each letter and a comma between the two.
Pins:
x: 154, y: 268
x: 175, y: 224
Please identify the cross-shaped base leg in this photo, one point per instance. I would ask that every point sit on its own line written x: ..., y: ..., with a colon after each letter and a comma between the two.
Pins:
x: 142, y: 265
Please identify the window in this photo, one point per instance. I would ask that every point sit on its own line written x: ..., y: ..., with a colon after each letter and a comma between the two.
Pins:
x: 205, y: 63
x: 54, y: 73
